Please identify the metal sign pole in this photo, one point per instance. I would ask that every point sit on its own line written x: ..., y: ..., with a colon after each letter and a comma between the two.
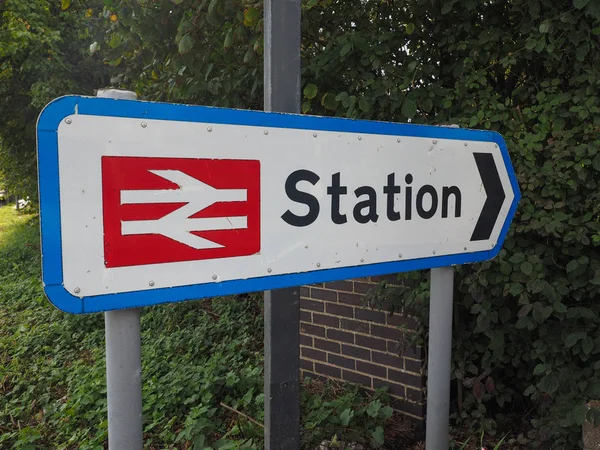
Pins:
x: 282, y: 306
x: 439, y: 358
x: 123, y: 362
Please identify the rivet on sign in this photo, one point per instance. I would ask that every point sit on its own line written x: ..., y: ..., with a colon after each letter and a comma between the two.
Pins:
x: 209, y: 129
x: 318, y: 264
x: 269, y: 270
x: 362, y: 259
x: 435, y: 141
x: 214, y: 277
x: 465, y: 249
x: 144, y: 124
x: 77, y: 290
x: 466, y: 144
x: 434, y: 252
x: 68, y: 121
x: 360, y: 138
x: 266, y: 132
x: 151, y: 283
x: 398, y: 140
x: 399, y: 255
x: 314, y: 134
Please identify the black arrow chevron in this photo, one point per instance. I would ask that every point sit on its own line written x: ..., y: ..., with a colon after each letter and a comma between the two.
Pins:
x: 495, y: 196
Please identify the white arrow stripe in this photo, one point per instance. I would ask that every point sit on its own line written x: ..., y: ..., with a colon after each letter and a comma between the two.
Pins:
x: 179, y: 230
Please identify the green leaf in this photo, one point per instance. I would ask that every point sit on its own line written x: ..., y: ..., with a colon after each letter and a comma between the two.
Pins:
x: 580, y: 4
x: 525, y: 309
x: 409, y: 108
x: 539, y: 369
x: 559, y: 307
x: 345, y: 417
x: 537, y: 286
x: 596, y: 162
x: 186, y: 43
x: 64, y: 4
x: 364, y: 104
x: 572, y: 338
x: 373, y: 408
x: 378, y: 436
x: 228, y: 39
x: 410, y: 28
x: 582, y: 51
x: 447, y: 7
x: 573, y: 265
x: 549, y: 384
x: 386, y: 412
x: 251, y: 16
x: 544, y: 27
x: 526, y: 268
x: 497, y: 340
x: 587, y: 345
x: 345, y: 49
x: 310, y: 91
x: 596, y: 279
x: 328, y: 101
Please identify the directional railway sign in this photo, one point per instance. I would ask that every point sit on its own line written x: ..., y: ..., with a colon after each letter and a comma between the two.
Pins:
x: 145, y: 203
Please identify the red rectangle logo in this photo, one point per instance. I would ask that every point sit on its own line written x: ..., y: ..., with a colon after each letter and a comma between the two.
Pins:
x: 163, y: 210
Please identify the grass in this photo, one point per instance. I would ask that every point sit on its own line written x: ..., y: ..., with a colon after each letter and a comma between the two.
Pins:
x: 202, y: 370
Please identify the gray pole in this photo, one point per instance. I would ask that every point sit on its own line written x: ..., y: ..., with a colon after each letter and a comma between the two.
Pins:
x: 439, y: 358
x: 123, y: 362
x: 282, y: 306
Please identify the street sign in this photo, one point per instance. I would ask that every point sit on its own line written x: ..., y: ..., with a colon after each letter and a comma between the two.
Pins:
x: 145, y: 203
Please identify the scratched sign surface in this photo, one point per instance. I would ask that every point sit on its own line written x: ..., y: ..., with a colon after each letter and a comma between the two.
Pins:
x: 145, y: 203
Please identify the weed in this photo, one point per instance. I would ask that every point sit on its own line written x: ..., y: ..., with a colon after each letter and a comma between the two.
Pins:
x: 202, y: 366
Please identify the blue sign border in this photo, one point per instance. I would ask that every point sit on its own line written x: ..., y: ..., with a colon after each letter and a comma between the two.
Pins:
x: 52, y: 267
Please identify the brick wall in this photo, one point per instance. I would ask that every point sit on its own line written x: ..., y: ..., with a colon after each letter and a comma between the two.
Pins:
x: 341, y: 339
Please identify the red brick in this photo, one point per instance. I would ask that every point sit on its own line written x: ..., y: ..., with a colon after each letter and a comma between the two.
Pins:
x: 340, y: 285
x: 350, y: 299
x: 392, y: 278
x: 371, y: 369
x: 340, y: 361
x: 414, y: 395
x: 357, y: 378
x: 305, y: 316
x: 369, y: 342
x: 322, y: 294
x: 413, y: 352
x: 312, y: 329
x: 412, y: 365
x: 386, y: 332
x: 307, y: 341
x: 306, y: 365
x: 405, y: 378
x: 369, y: 315
x: 387, y: 360
x: 328, y: 370
x: 356, y: 352
x: 313, y: 305
x: 355, y: 325
x: 399, y: 320
x: 326, y: 320
x: 327, y: 345
x: 304, y: 291
x: 340, y: 310
x: 393, y: 388
x: 341, y: 336
x: 394, y: 347
x: 415, y: 409
x: 311, y: 353
x: 363, y: 288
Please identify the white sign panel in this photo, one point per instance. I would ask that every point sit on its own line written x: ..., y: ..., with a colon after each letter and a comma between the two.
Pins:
x: 145, y: 203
